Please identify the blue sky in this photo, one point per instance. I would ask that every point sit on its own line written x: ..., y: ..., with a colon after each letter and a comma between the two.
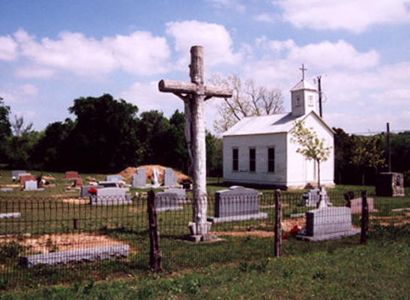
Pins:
x: 52, y: 52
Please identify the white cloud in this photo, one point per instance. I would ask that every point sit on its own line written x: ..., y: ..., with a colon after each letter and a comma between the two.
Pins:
x: 147, y: 97
x: 34, y: 72
x: 8, y: 48
x: 351, y: 15
x: 138, y: 53
x: 235, y: 5
x: 23, y: 93
x: 325, y: 55
x: 214, y: 37
x: 264, y: 17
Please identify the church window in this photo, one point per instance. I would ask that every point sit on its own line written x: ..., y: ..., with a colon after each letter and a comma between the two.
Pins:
x: 271, y: 160
x: 252, y: 160
x: 235, y: 159
x: 310, y: 100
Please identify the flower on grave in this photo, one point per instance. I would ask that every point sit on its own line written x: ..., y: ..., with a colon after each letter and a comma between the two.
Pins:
x: 295, y: 230
x: 92, y: 190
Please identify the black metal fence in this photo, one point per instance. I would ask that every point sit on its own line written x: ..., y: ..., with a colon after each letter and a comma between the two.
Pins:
x: 59, y: 238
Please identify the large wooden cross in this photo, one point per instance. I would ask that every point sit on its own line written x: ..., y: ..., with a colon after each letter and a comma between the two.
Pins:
x: 194, y: 94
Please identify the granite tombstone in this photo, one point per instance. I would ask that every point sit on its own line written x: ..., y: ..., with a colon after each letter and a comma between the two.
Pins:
x: 237, y: 204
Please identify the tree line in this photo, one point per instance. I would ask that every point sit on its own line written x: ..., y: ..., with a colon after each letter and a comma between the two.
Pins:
x: 358, y: 158
x: 105, y: 135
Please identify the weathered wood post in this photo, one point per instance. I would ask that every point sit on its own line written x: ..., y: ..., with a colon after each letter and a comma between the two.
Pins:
x: 194, y: 94
x: 278, y: 224
x: 364, y: 222
x: 155, y: 257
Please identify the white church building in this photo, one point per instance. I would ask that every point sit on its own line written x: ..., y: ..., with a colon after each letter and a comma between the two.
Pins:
x: 260, y: 150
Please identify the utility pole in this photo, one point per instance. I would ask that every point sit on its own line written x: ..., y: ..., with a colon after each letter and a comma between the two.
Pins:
x: 319, y: 87
x: 388, y: 145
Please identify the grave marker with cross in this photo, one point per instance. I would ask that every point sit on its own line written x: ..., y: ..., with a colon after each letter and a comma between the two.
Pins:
x: 194, y: 94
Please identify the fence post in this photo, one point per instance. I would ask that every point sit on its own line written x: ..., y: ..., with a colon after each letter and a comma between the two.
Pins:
x: 278, y: 224
x: 155, y: 257
x: 364, y: 222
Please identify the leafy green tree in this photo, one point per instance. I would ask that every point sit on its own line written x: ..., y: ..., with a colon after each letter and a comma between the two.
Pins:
x: 213, y: 155
x: 343, y: 154
x: 400, y: 154
x: 153, y: 133
x: 21, y: 143
x: 311, y: 147
x: 50, y: 150
x: 179, y: 157
x: 104, y: 137
x: 367, y: 152
x: 5, y: 130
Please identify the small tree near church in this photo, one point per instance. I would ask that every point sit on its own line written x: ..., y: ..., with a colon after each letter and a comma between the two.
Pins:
x: 311, y: 147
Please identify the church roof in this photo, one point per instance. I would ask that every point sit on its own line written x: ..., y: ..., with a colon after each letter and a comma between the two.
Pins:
x: 303, y: 85
x: 277, y: 123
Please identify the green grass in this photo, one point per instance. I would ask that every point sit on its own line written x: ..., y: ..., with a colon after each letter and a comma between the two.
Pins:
x: 239, y: 267
x: 329, y: 270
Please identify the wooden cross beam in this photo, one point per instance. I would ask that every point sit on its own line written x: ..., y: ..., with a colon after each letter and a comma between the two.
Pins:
x: 194, y: 94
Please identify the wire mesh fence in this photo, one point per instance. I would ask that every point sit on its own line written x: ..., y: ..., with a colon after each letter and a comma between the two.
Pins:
x: 55, y: 238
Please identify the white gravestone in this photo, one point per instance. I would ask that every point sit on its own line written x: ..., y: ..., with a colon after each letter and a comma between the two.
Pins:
x: 328, y: 223
x: 31, y: 185
x: 111, y: 196
x: 114, y: 178
x: 170, y: 178
x: 139, y: 179
x: 237, y: 204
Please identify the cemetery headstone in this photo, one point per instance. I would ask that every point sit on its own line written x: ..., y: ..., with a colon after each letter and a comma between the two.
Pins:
x: 111, y: 196
x: 78, y: 255
x: 107, y: 184
x: 312, y: 198
x: 237, y: 204
x: 15, y: 174
x: 114, y: 178
x: 170, y: 178
x: 390, y: 184
x: 31, y: 185
x: 6, y: 189
x: 25, y: 177
x: 11, y: 215
x: 139, y: 179
x: 356, y: 205
x: 169, y: 200
x: 71, y: 175
x: 328, y: 223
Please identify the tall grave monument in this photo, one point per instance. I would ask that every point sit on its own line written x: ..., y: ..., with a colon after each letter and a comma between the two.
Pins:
x: 194, y: 94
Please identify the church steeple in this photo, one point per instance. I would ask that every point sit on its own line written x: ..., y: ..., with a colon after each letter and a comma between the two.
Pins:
x: 304, y: 96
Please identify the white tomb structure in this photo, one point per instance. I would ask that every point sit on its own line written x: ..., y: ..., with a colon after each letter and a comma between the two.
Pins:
x: 260, y: 150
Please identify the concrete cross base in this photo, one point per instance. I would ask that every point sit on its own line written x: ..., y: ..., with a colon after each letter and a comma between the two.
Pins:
x: 199, y: 236
x: 238, y: 218
x: 206, y: 238
x: 328, y: 236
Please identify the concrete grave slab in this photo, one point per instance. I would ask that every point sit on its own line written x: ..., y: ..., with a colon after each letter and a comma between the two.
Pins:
x: 328, y: 223
x: 236, y: 204
x: 111, y: 196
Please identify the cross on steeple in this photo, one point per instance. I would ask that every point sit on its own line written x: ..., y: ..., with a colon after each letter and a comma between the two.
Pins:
x: 303, y: 69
